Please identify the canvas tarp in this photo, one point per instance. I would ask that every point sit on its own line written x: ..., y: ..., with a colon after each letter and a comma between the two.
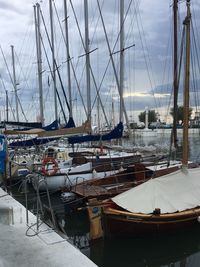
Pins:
x: 174, y: 192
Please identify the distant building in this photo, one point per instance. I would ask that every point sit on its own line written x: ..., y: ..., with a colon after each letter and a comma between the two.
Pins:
x: 196, y: 121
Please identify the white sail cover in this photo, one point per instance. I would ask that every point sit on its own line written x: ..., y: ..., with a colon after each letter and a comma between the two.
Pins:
x: 170, y: 193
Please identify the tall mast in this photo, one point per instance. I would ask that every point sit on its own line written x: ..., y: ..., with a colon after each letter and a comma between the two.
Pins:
x: 186, y: 87
x: 6, y: 105
x: 68, y: 59
x: 87, y: 60
x: 113, y: 113
x: 175, y: 75
x: 113, y: 64
x: 98, y: 113
x: 121, y: 81
x: 14, y: 83
x: 39, y: 58
x: 53, y: 58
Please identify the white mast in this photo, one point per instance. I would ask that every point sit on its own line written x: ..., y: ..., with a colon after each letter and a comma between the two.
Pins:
x: 68, y: 59
x: 53, y: 58
x: 39, y: 59
x: 14, y: 83
x: 98, y: 113
x: 87, y: 60
x: 121, y: 81
x: 113, y: 64
x: 146, y: 117
x: 6, y: 105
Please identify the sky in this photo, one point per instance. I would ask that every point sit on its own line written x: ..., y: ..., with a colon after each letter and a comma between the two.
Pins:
x: 147, y: 57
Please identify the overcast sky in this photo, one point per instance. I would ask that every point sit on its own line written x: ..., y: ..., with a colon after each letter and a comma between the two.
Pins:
x: 148, y: 64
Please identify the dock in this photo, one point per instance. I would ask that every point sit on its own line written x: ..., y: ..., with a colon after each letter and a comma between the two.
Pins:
x: 23, y: 244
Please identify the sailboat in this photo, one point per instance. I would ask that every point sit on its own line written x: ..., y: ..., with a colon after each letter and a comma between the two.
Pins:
x: 162, y: 205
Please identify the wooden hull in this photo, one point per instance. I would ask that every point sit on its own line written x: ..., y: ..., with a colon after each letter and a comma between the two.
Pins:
x: 117, y: 160
x: 121, y: 223
x: 118, y: 183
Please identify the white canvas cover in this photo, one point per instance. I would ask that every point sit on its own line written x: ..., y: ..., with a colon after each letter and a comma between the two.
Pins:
x: 170, y: 193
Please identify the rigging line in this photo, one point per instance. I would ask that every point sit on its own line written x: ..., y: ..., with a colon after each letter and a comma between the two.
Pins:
x: 102, y: 78
x: 78, y: 86
x: 23, y: 74
x: 8, y: 71
x: 111, y: 35
x: 19, y: 101
x: 180, y: 61
x: 165, y: 65
x: 193, y: 80
x: 102, y: 81
x: 94, y: 81
x: 148, y: 65
x: 95, y: 28
x: 48, y: 63
x: 28, y: 74
x: 178, y: 80
x: 196, y: 28
x: 113, y: 64
x: 4, y: 87
x: 72, y: 66
x: 63, y: 90
x: 170, y: 99
x: 195, y: 47
x: 126, y: 14
x: 117, y: 39
x: 26, y: 44
x: 30, y: 49
x: 166, y: 79
x: 7, y: 67
x: 181, y: 55
x: 22, y: 70
x: 20, y: 104
x: 194, y: 72
x: 104, y: 74
x: 131, y: 27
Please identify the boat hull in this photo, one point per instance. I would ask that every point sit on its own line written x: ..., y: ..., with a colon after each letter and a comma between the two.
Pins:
x: 127, y: 224
x: 57, y: 182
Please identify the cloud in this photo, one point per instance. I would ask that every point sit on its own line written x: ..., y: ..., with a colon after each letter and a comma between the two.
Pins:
x: 8, y: 7
x: 144, y: 63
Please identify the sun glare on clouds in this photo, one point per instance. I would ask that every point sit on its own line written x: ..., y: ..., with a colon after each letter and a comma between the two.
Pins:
x: 139, y: 94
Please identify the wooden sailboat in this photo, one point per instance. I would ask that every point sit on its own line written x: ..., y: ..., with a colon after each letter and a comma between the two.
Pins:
x: 133, y: 175
x: 162, y: 205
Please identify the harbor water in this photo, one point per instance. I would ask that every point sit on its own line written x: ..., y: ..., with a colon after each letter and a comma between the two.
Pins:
x: 181, y: 249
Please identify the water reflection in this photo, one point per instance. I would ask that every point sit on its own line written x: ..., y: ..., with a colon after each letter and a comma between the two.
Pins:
x: 179, y: 250
x: 162, y: 142
x: 77, y: 230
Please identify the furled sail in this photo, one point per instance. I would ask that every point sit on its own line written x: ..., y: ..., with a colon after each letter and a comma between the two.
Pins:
x: 44, y: 137
x: 113, y: 134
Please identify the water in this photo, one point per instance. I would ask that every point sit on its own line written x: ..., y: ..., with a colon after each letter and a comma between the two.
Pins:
x: 181, y: 249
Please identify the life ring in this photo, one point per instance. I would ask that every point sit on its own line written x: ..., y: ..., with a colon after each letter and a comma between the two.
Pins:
x: 49, y: 172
